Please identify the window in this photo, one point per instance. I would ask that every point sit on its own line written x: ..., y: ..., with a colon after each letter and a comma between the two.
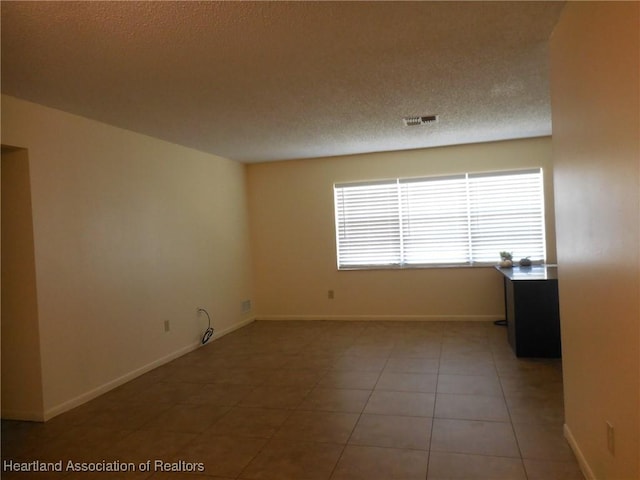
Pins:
x: 461, y: 219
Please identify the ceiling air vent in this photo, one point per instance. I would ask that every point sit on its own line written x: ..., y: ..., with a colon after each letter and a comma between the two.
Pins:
x: 413, y: 121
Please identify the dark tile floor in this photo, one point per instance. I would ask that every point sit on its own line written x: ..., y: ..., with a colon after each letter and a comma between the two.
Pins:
x: 322, y: 400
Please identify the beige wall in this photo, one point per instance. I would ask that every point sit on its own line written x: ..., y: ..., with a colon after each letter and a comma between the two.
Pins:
x: 129, y: 231
x: 293, y: 237
x: 21, y: 369
x: 596, y: 107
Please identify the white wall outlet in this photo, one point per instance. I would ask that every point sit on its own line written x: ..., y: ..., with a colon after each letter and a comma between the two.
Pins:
x: 167, y: 326
x: 246, y: 306
x: 611, y: 439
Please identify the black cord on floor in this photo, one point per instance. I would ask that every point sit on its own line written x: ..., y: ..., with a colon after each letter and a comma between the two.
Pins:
x: 209, y: 332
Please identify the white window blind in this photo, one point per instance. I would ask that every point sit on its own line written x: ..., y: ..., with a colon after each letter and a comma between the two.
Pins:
x: 435, y: 226
x: 460, y: 219
x: 507, y: 213
x: 368, y: 224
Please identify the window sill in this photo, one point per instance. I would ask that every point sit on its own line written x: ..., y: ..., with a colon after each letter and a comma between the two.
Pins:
x: 416, y: 267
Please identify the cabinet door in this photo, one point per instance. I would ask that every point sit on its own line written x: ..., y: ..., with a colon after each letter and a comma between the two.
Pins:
x: 535, y: 318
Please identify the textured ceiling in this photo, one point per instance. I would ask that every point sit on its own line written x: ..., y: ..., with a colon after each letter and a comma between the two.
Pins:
x: 260, y: 81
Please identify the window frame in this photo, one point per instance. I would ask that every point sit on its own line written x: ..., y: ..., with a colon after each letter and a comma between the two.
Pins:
x: 467, y: 176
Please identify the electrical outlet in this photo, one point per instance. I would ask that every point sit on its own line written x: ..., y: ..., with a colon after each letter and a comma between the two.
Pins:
x: 611, y: 439
x: 246, y: 306
x: 330, y: 294
x: 167, y: 326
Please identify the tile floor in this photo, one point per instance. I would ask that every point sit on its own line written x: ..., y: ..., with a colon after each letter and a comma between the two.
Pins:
x: 322, y: 400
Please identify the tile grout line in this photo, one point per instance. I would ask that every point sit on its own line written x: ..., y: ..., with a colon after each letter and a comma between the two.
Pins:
x: 355, y: 425
x: 504, y: 398
x: 270, y: 439
x: 433, y: 413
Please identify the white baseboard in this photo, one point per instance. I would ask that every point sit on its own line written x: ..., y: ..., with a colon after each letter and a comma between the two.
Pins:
x: 236, y: 326
x: 582, y: 462
x: 104, y: 388
x: 388, y: 318
x: 96, y: 392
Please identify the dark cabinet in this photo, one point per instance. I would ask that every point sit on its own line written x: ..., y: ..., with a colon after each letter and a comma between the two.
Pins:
x: 532, y: 310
